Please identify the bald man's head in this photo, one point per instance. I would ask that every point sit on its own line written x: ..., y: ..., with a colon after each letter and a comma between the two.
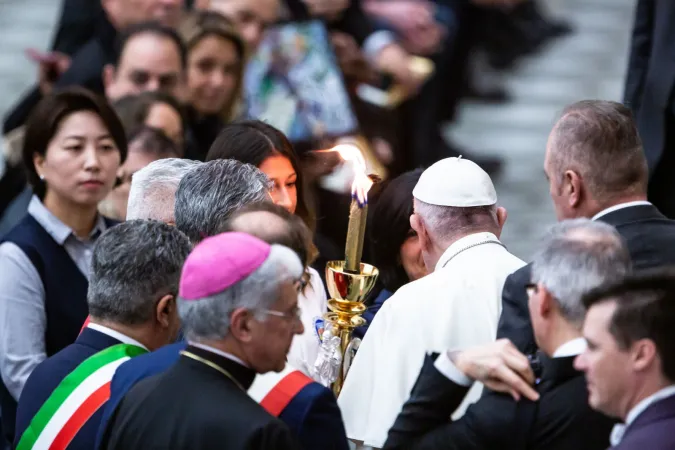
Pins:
x: 274, y: 225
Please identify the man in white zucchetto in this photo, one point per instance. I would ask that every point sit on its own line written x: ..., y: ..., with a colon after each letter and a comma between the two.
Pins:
x: 457, y: 305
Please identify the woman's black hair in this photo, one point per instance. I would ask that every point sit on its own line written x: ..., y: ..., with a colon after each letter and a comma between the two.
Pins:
x: 46, y: 118
x: 389, y: 227
x: 252, y: 142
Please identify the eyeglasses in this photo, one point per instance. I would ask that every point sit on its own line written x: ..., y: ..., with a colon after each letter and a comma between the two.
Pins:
x: 531, y: 289
x: 295, y: 313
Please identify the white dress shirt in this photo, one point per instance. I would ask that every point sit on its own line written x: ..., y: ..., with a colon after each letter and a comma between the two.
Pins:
x: 619, y: 429
x: 123, y: 338
x: 456, y: 306
x: 618, y: 207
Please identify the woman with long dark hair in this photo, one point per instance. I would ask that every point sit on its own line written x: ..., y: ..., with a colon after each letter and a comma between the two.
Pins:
x: 261, y: 145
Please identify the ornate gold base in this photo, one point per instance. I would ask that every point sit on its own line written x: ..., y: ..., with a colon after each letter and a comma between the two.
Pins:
x: 348, y: 291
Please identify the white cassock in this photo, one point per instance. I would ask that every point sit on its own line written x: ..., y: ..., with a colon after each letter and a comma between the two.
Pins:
x: 456, y: 306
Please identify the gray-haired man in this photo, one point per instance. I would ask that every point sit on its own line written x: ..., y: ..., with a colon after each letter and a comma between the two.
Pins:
x: 577, y: 256
x: 136, y: 269
x: 208, y: 195
x: 152, y: 194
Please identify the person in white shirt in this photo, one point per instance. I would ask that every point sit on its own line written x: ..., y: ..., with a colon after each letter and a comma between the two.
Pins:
x: 629, y: 364
x: 577, y: 255
x: 458, y: 224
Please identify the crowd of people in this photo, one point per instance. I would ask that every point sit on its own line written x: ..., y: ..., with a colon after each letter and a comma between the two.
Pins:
x: 162, y: 254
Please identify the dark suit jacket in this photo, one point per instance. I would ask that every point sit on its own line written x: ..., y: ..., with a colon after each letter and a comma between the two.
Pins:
x: 651, y: 72
x: 49, y: 374
x: 650, y: 238
x: 496, y: 421
x: 312, y: 415
x: 194, y: 406
x: 653, y: 429
x: 86, y: 70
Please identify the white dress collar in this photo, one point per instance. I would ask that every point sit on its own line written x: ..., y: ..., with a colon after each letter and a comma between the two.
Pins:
x: 571, y: 348
x: 123, y: 338
x: 463, y: 244
x: 620, y: 206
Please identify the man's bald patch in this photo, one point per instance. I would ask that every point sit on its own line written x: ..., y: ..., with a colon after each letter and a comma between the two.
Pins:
x: 264, y: 225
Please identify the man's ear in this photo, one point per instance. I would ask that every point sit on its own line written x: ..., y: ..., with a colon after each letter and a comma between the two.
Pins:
x: 643, y: 354
x: 417, y: 224
x: 546, y: 302
x: 573, y: 186
x: 241, y: 322
x: 165, y: 309
x: 502, y: 215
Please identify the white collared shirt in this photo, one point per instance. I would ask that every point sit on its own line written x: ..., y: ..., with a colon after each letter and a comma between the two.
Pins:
x: 229, y: 356
x: 619, y: 429
x: 456, y: 306
x: 123, y: 338
x: 571, y: 348
x: 620, y: 206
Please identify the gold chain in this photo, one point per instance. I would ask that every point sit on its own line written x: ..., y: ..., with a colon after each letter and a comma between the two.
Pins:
x: 213, y: 366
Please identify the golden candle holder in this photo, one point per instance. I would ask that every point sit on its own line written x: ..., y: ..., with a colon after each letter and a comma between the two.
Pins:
x: 348, y: 291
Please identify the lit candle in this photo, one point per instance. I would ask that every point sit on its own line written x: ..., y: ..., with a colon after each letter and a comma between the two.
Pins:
x: 358, y: 211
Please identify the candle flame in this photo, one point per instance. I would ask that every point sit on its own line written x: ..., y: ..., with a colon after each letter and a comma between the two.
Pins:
x: 362, y: 183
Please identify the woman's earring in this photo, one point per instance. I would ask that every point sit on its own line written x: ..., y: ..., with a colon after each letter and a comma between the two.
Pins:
x: 42, y: 177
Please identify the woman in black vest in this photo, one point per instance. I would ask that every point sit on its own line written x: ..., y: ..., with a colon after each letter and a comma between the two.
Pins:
x: 73, y: 148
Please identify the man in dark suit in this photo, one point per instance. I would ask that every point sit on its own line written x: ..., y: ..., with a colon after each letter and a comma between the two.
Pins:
x: 649, y: 93
x: 135, y: 272
x: 309, y: 409
x: 629, y: 362
x: 238, y: 303
x: 587, y: 252
x: 596, y: 168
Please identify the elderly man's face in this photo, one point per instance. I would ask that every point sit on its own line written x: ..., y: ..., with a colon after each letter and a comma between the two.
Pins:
x: 149, y: 62
x: 271, y: 338
x: 251, y: 17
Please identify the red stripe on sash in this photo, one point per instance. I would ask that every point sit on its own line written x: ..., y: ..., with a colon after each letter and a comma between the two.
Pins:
x: 86, y: 322
x: 281, y: 395
x: 80, y: 417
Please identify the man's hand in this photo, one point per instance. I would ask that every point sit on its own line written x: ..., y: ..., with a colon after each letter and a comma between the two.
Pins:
x: 350, y: 59
x: 414, y: 21
x: 499, y: 366
x: 50, y: 70
x: 395, y: 61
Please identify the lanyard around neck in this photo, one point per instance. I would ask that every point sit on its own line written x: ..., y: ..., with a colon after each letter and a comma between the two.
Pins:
x: 213, y: 366
x: 487, y: 241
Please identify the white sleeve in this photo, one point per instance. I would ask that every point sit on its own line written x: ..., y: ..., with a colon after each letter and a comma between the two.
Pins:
x: 445, y: 366
x: 23, y: 319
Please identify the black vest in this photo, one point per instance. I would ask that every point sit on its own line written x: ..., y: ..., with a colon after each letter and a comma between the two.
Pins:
x: 65, y: 290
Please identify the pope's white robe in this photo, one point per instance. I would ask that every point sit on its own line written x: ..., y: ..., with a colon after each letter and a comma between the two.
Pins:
x: 456, y: 306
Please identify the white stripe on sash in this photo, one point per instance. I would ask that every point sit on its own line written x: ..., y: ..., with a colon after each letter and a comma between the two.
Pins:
x: 90, y: 385
x: 263, y: 384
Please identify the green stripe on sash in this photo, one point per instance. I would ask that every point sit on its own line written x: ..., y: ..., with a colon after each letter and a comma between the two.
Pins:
x: 69, y: 384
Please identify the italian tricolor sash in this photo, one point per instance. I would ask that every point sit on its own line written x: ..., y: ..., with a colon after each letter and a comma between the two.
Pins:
x: 76, y: 399
x: 274, y: 391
